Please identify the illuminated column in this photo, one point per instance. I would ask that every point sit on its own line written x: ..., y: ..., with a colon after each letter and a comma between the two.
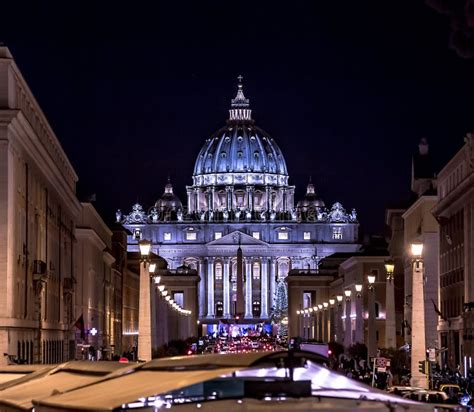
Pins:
x: 339, y: 325
x: 190, y: 200
x: 210, y: 287
x: 264, y: 289
x: 226, y: 288
x: 196, y: 201
x: 348, y: 320
x: 268, y: 192
x: 321, y: 322
x: 418, y: 343
x: 228, y: 191
x: 209, y: 198
x: 144, y: 314
x: 250, y: 190
x: 202, y: 287
x: 272, y: 281
x: 248, y: 288
x: 359, y: 320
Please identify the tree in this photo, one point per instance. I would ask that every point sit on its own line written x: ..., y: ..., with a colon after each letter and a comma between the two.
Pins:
x: 279, y: 315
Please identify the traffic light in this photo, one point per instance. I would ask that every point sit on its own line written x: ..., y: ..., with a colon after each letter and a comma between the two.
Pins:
x: 422, y: 367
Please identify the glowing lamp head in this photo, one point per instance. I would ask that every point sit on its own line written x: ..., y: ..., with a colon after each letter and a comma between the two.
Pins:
x: 358, y: 287
x: 168, y: 297
x: 298, y: 312
x: 390, y: 266
x: 325, y: 304
x: 417, y: 250
x: 164, y: 293
x: 306, y: 311
x: 152, y: 268
x: 339, y: 298
x: 371, y: 279
x: 157, y: 279
x: 310, y: 310
x: 332, y: 301
x: 145, y: 247
x: 320, y: 306
x: 348, y: 293
x: 161, y: 288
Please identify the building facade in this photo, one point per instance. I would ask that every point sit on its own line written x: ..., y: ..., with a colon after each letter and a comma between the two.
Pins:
x: 240, y: 195
x: 455, y: 213
x: 37, y: 223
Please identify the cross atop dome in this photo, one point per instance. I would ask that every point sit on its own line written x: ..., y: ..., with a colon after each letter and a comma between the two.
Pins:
x: 240, y: 105
x: 240, y: 101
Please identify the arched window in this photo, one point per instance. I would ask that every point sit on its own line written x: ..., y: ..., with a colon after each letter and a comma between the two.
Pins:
x: 256, y: 271
x: 218, y: 271
x: 219, y: 309
x: 256, y: 308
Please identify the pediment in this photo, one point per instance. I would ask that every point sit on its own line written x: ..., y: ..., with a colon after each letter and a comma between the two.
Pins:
x: 233, y: 239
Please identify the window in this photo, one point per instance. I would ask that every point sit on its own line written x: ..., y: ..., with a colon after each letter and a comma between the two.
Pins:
x: 217, y: 235
x: 167, y: 236
x: 256, y: 271
x: 178, y: 297
x: 256, y: 235
x: 218, y: 271
x: 337, y: 233
x: 191, y: 236
x: 256, y: 308
x: 306, y: 235
x: 219, y: 309
x: 282, y: 235
x: 137, y: 234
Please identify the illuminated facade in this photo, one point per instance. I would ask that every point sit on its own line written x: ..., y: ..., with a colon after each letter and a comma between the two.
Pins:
x: 240, y: 194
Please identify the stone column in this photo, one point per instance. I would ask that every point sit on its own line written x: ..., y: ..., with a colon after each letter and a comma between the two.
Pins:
x: 348, y: 332
x: 228, y: 191
x: 196, y: 201
x: 390, y: 323
x: 272, y: 281
x: 418, y: 344
x: 248, y: 288
x: 226, y: 288
x: 210, y: 288
x: 331, y: 323
x: 144, y: 314
x: 339, y: 325
x: 202, y: 287
x: 268, y: 192
x: 209, y: 198
x: 264, y: 289
x: 189, y: 193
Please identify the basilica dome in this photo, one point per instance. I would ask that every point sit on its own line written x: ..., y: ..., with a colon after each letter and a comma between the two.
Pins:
x: 240, y: 152
x: 310, y: 199
x: 168, y: 201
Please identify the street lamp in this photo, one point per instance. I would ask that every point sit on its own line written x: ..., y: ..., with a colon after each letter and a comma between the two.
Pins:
x: 372, y: 334
x: 358, y: 288
x: 348, y: 320
x: 339, y: 299
x: 332, y: 301
x: 359, y: 321
x: 144, y: 307
x: 390, y: 321
x: 418, y: 344
x: 339, y: 325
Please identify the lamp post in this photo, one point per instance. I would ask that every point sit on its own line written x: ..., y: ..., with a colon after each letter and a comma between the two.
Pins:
x: 371, y: 331
x: 325, y: 322
x: 339, y: 326
x: 316, y: 322
x: 348, y: 333
x: 418, y: 344
x: 359, y: 321
x: 390, y: 323
x: 144, y: 305
x: 321, y: 321
x: 331, y: 328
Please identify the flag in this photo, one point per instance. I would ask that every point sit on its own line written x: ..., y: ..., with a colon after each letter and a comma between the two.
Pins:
x: 80, y: 325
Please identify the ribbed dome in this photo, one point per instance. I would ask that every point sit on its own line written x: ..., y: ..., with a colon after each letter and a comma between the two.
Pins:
x: 310, y: 200
x: 168, y: 200
x: 240, y: 152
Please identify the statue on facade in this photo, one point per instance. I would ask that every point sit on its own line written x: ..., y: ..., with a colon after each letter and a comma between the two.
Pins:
x: 179, y: 215
x: 202, y: 215
x: 272, y: 215
x: 263, y: 215
x: 211, y: 214
x: 225, y: 215
x: 294, y: 214
x: 237, y: 214
x: 248, y: 214
x: 118, y: 216
x: 154, y: 215
x: 353, y: 216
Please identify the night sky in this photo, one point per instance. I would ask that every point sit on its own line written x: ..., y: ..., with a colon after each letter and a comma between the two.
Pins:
x: 346, y: 88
